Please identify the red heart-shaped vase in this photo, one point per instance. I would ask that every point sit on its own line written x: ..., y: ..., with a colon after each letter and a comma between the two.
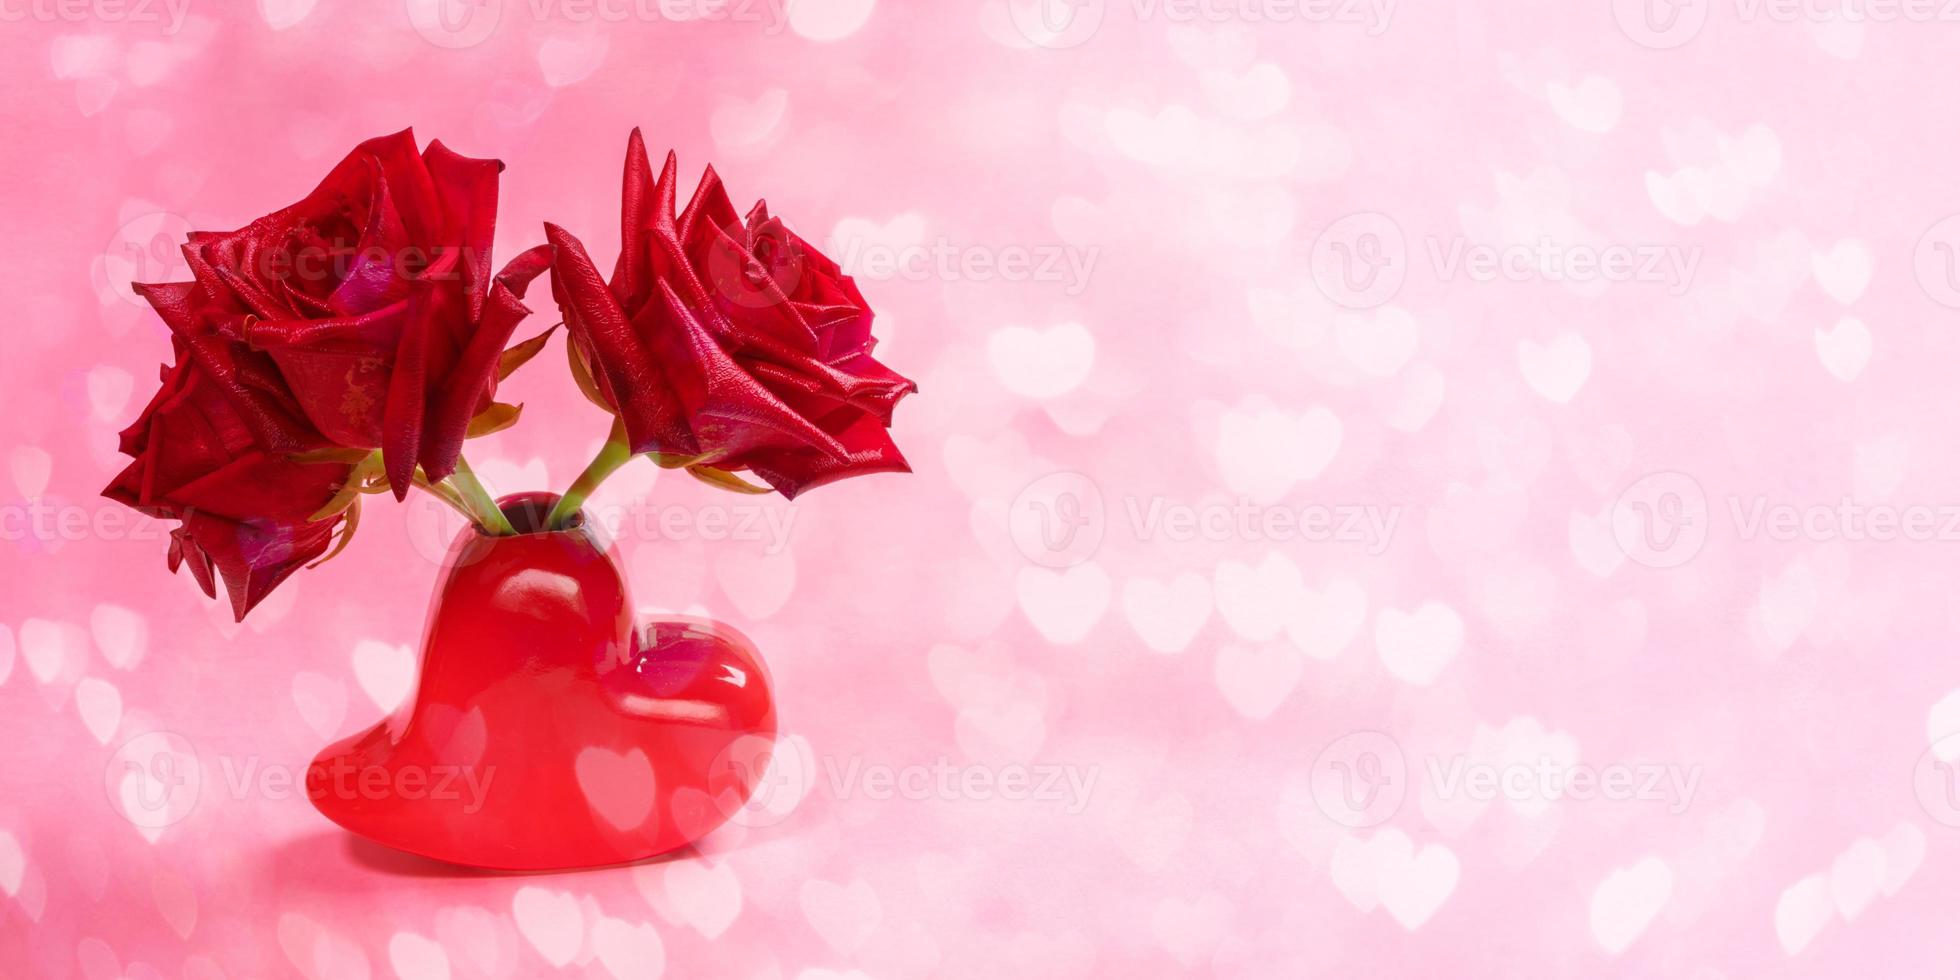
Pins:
x: 547, y: 730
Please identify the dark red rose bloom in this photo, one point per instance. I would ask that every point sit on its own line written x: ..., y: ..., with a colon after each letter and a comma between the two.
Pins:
x: 728, y: 342
x: 374, y: 298
x: 214, y: 451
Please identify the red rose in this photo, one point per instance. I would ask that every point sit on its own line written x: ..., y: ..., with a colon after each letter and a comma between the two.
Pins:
x: 727, y: 344
x: 213, y: 450
x: 373, y: 296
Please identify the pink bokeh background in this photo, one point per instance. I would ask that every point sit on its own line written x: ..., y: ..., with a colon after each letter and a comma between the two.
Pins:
x: 1341, y: 428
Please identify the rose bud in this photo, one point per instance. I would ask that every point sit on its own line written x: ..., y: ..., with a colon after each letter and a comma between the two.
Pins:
x: 726, y: 343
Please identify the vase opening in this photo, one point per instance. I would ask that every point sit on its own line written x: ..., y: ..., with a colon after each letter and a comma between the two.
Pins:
x: 526, y: 513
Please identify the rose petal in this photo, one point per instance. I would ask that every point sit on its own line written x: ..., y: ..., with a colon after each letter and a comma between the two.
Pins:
x: 466, y: 189
x: 401, y: 440
x: 637, y: 198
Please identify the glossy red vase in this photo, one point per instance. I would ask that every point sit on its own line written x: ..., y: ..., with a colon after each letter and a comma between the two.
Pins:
x: 549, y: 729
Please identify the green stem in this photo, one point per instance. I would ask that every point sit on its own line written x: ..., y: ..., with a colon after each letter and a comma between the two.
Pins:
x: 445, y: 493
x: 613, y: 455
x: 488, y: 514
